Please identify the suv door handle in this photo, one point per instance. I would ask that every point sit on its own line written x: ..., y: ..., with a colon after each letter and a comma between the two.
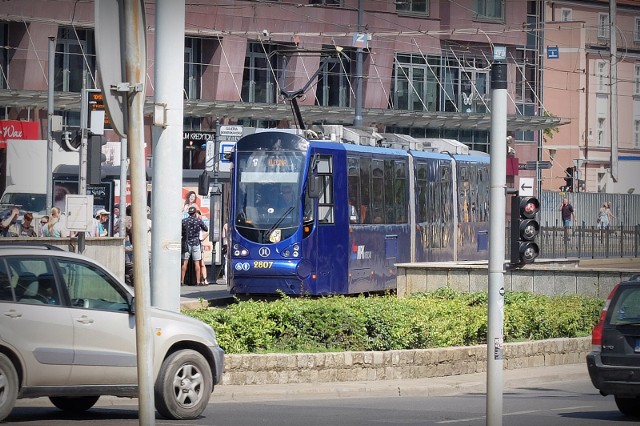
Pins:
x: 13, y: 314
x: 84, y: 320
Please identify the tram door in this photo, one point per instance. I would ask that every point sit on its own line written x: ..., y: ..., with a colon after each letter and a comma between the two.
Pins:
x: 324, y: 241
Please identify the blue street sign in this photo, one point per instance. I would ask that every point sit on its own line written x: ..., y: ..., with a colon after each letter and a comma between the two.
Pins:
x: 553, y: 52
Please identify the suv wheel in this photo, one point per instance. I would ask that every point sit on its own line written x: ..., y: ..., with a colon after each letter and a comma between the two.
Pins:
x: 8, y: 386
x: 74, y: 403
x: 183, y: 386
x: 628, y: 406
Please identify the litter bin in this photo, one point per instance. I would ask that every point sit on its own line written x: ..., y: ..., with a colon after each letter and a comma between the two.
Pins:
x: 483, y: 240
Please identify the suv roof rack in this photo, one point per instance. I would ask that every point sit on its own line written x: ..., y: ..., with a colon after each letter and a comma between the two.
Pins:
x: 28, y: 244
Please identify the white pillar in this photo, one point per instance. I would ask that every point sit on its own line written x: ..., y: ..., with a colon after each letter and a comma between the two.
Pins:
x: 167, y: 156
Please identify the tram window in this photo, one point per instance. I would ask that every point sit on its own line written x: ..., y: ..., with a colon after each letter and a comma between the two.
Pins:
x: 377, y: 204
x: 400, y: 186
x: 365, y: 190
x: 353, y: 189
x: 389, y: 196
x: 326, y: 200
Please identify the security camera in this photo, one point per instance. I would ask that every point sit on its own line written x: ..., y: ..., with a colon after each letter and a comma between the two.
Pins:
x: 265, y: 33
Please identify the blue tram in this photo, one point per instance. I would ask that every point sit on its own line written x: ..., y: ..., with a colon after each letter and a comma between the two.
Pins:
x: 320, y: 217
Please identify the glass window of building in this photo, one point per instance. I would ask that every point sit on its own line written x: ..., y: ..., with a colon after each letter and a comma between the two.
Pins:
x: 262, y: 66
x: 334, y: 87
x: 420, y: 7
x: 4, y: 54
x: 75, y: 60
x: 415, y: 83
x: 489, y: 9
x: 326, y: 2
x: 192, y: 67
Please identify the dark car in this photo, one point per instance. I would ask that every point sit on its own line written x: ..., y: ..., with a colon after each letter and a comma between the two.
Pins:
x: 614, y: 360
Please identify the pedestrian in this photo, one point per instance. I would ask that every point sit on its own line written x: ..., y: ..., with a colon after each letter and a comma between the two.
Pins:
x: 203, y: 268
x: 26, y: 228
x: 225, y: 250
x: 56, y: 227
x: 191, y: 226
x: 44, y: 221
x: 9, y: 226
x: 568, y: 213
x: 603, y: 217
x: 103, y: 228
x: 610, y: 213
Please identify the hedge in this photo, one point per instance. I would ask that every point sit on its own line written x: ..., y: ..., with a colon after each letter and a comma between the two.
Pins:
x: 376, y: 323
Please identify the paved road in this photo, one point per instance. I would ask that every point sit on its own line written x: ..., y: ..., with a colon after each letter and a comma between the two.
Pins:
x: 560, y: 395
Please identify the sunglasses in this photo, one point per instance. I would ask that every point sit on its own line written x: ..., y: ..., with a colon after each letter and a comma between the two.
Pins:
x: 43, y: 222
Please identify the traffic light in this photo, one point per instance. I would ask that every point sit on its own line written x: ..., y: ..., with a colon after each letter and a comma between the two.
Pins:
x: 95, y: 158
x: 569, y: 179
x: 524, y: 229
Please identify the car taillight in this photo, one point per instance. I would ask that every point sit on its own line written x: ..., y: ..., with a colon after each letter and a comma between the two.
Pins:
x: 596, y: 334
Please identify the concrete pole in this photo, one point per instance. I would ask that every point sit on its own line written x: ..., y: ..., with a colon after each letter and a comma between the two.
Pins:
x: 51, y: 78
x: 357, y: 122
x: 167, y: 156
x: 495, y: 330
x: 124, y: 165
x: 135, y: 72
x: 614, y: 89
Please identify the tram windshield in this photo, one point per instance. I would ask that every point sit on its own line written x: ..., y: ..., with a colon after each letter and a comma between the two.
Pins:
x: 268, y: 194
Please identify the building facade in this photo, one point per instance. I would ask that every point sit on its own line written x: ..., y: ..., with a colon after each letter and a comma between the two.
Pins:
x: 426, y: 72
x: 580, y: 84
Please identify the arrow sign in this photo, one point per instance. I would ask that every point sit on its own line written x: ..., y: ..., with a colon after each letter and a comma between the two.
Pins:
x: 525, y: 187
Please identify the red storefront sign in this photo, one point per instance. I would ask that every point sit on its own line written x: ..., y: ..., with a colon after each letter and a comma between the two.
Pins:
x: 14, y: 129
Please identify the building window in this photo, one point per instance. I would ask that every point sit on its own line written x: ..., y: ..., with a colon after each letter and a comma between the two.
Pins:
x: 75, y: 60
x: 636, y: 79
x: 261, y: 70
x: 636, y: 133
x: 526, y: 76
x: 4, y: 54
x: 601, y: 76
x: 192, y: 67
x: 464, y: 89
x: 337, y: 3
x: 418, y: 7
x: 333, y: 88
x: 492, y: 9
x: 601, y: 131
x: 636, y: 31
x: 566, y: 15
x: 603, y: 25
x: 415, y: 83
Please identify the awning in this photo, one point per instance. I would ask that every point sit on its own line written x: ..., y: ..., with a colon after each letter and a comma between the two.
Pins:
x: 312, y: 114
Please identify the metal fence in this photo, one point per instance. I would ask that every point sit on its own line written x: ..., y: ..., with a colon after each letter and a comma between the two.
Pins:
x: 584, y: 239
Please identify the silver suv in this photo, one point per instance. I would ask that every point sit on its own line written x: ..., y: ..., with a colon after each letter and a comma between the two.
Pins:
x: 67, y: 332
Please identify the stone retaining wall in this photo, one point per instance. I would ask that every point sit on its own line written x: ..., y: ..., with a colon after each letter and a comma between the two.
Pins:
x: 547, y: 278
x: 408, y: 364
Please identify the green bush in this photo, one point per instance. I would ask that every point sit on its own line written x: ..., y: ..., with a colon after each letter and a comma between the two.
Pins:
x: 437, y: 319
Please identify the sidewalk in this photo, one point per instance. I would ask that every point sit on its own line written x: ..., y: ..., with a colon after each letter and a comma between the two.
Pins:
x: 194, y: 297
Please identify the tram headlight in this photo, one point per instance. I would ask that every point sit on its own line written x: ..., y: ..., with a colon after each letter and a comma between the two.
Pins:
x: 239, y: 251
x: 292, y: 251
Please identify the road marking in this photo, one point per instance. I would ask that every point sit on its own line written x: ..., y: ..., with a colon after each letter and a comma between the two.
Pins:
x: 516, y: 413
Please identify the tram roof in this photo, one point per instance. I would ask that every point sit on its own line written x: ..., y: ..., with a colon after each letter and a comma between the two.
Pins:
x: 65, y: 101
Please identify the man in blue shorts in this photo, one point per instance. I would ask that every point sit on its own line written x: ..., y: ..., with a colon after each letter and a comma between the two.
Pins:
x: 191, y: 248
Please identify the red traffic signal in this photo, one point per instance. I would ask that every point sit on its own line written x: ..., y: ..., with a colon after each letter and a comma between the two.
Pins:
x: 524, y: 230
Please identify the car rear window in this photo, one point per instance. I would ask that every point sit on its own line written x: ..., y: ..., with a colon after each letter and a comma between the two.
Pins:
x: 626, y: 308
